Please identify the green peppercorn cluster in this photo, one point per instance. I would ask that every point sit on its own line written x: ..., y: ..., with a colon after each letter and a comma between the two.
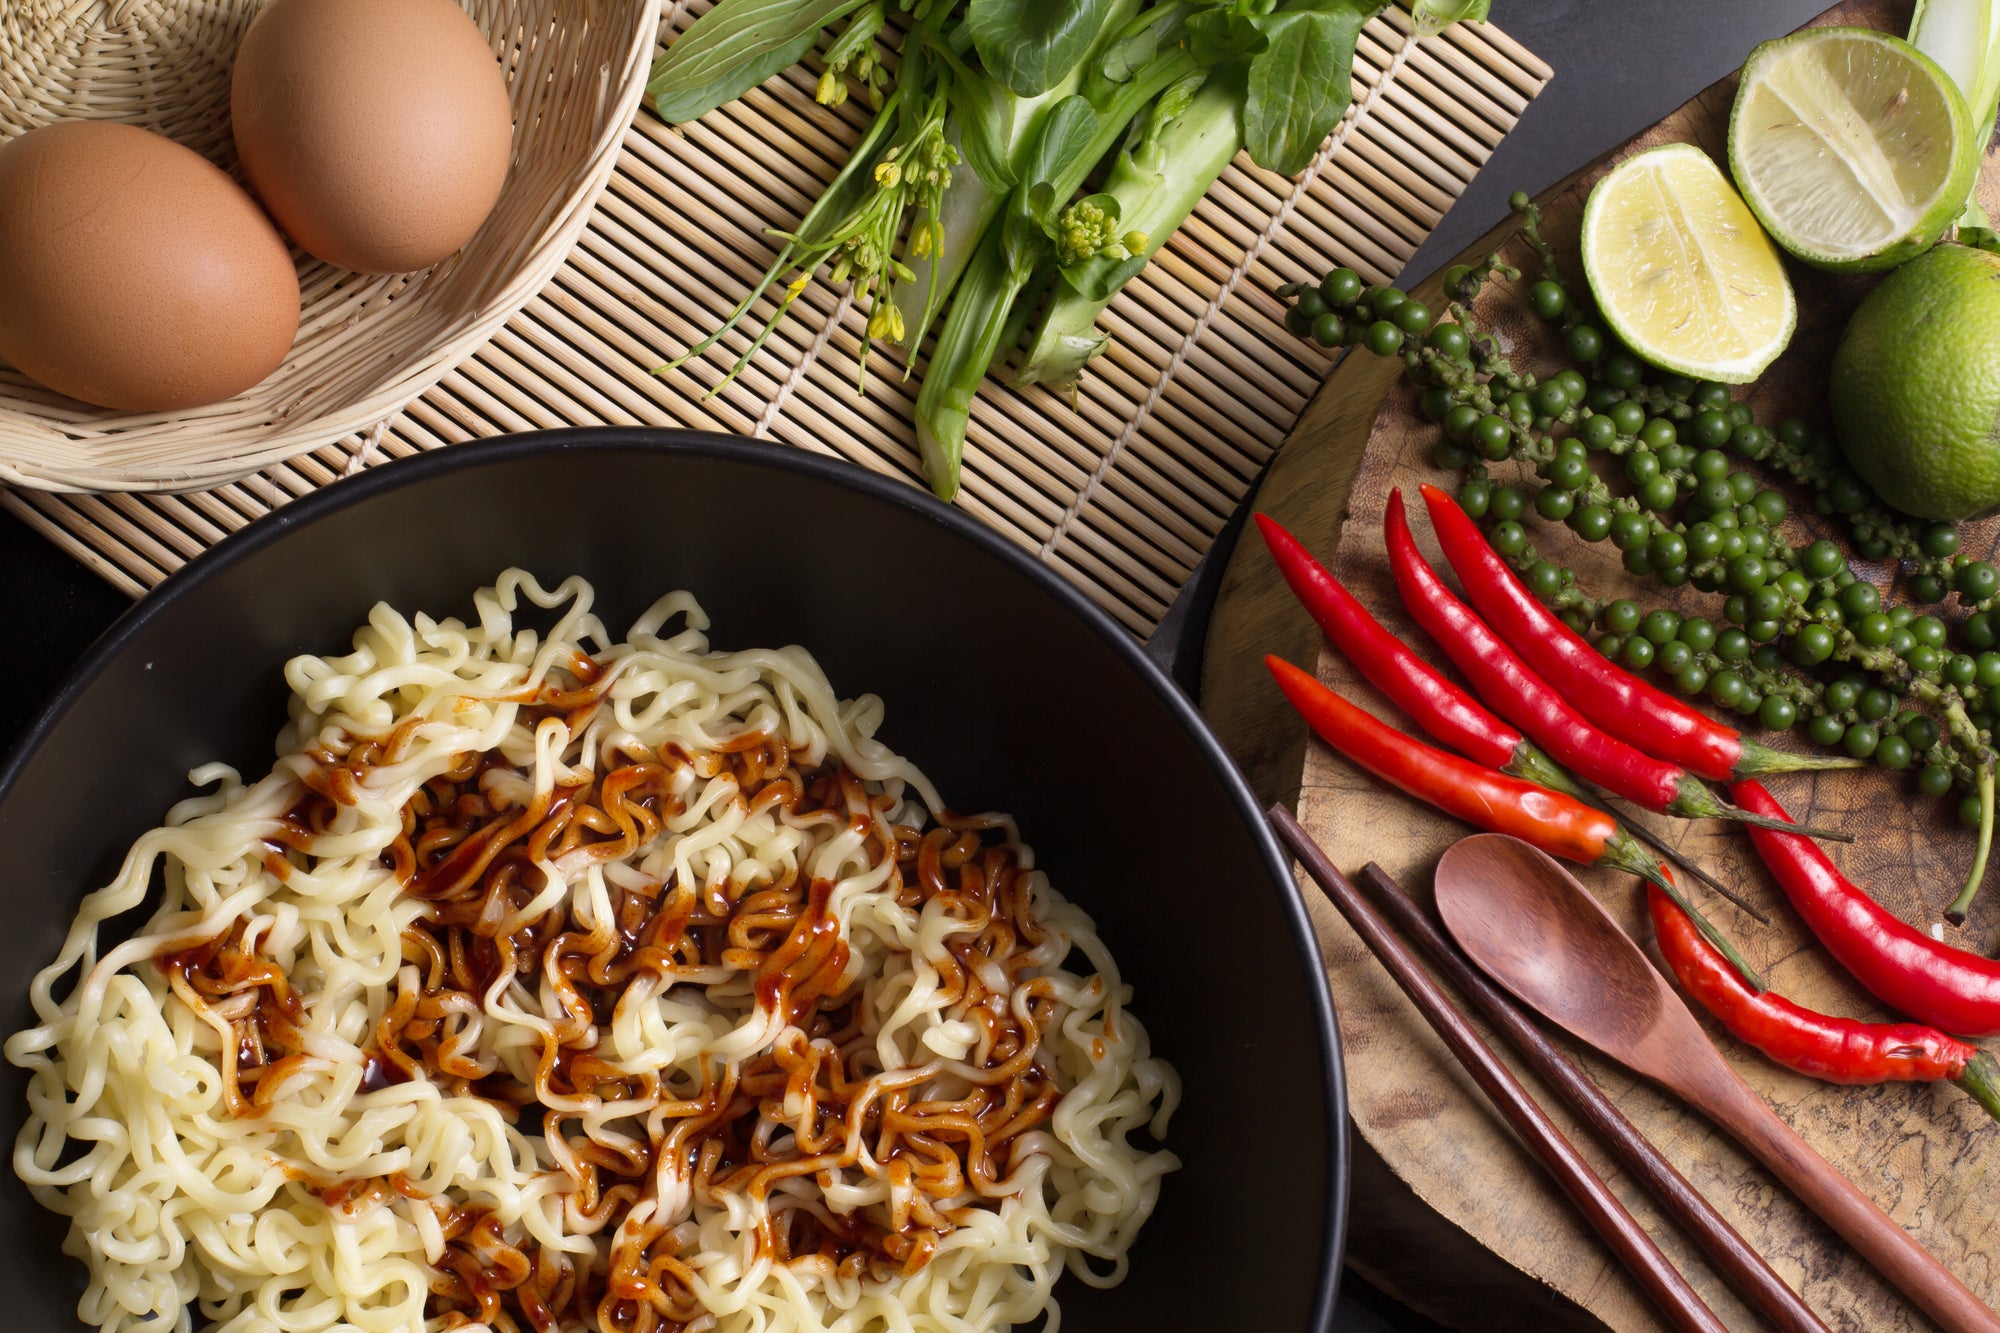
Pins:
x: 1615, y: 449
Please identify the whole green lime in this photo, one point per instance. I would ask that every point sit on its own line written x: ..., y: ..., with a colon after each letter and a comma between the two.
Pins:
x: 1916, y: 385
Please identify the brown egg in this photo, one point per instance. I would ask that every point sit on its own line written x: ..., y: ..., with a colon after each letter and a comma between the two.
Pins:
x: 376, y: 131
x: 134, y: 273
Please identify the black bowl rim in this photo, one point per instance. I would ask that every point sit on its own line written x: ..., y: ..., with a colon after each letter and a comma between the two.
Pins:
x: 246, y: 542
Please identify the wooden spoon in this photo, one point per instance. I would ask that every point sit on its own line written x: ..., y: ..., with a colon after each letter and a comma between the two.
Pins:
x: 1531, y: 927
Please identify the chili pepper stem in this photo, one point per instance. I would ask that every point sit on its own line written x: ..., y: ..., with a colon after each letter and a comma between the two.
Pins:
x: 1694, y: 800
x: 1745, y: 817
x: 1695, y: 872
x: 1977, y: 875
x: 1757, y: 760
x: 1981, y: 1082
x: 1623, y: 853
x: 1532, y: 764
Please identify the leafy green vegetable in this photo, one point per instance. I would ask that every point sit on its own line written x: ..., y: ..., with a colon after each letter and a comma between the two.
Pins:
x: 1431, y: 17
x: 987, y: 123
x: 1033, y: 95
x: 1153, y: 185
x: 993, y: 128
x: 1301, y: 66
x: 818, y: 234
x: 733, y: 48
x: 1068, y: 143
x: 1032, y: 45
x: 1300, y: 81
x: 1138, y: 43
x: 1067, y: 132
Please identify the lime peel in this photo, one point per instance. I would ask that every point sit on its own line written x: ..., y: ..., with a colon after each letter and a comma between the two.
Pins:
x: 1851, y: 146
x: 1680, y: 269
x: 1915, y: 385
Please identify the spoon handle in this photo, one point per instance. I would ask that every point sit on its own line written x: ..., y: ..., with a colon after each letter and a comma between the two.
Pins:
x: 1908, y: 1266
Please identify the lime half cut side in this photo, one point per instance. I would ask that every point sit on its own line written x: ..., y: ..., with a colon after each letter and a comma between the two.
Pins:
x: 1681, y: 270
x: 1853, y: 148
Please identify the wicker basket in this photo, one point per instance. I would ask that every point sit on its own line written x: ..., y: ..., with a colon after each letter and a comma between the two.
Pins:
x: 366, y: 345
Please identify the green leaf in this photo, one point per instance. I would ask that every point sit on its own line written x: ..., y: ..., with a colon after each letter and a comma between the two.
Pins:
x: 1172, y: 105
x: 1431, y: 17
x: 1216, y: 35
x: 733, y: 48
x: 1068, y: 130
x: 1032, y: 45
x: 858, y: 36
x: 1300, y: 80
x: 1141, y: 40
x: 1106, y: 204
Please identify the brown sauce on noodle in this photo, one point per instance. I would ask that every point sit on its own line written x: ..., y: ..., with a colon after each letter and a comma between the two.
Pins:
x: 811, y: 1102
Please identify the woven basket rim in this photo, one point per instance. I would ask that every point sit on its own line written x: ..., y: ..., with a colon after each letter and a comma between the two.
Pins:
x: 625, y: 80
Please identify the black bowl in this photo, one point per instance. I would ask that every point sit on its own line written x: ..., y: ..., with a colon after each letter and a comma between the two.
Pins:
x: 1002, y: 682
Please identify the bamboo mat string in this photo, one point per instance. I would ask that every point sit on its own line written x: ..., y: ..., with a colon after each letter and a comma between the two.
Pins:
x: 1251, y: 255
x: 776, y: 407
x: 370, y: 452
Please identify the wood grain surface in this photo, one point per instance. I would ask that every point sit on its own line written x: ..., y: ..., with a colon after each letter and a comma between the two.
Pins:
x: 1926, y: 1154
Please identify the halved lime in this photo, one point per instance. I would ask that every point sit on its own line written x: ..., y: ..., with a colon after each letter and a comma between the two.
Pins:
x: 1853, y: 148
x: 1681, y: 270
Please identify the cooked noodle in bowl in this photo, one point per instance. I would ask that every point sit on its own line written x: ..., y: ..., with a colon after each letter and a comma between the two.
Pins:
x: 556, y: 982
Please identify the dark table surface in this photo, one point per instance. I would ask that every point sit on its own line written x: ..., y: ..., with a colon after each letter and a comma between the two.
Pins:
x: 1619, y: 66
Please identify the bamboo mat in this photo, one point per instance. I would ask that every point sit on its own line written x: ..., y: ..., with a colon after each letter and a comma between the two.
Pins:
x: 1121, y: 493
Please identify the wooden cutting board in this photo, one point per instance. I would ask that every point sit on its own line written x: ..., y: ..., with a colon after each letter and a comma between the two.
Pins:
x: 1927, y: 1154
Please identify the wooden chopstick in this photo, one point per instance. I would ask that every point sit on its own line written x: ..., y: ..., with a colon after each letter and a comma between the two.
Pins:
x: 1732, y: 1255
x: 1585, y: 1188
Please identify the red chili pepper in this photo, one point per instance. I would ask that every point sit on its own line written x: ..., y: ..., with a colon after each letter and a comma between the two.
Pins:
x: 1498, y: 802
x: 1419, y: 689
x: 1837, y: 1050
x: 1526, y: 700
x: 1617, y: 701
x: 1904, y: 968
x: 1412, y: 684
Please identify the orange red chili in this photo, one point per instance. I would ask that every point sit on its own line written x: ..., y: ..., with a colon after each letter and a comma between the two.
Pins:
x: 1412, y: 684
x: 1498, y: 802
x: 1436, y: 705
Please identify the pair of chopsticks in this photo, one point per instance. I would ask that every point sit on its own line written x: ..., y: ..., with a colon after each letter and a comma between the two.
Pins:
x: 1745, y: 1269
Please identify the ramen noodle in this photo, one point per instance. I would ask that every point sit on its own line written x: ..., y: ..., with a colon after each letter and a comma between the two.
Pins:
x: 556, y: 982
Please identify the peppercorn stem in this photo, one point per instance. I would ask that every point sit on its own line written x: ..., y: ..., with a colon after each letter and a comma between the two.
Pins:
x: 1977, y: 875
x: 1980, y: 1080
